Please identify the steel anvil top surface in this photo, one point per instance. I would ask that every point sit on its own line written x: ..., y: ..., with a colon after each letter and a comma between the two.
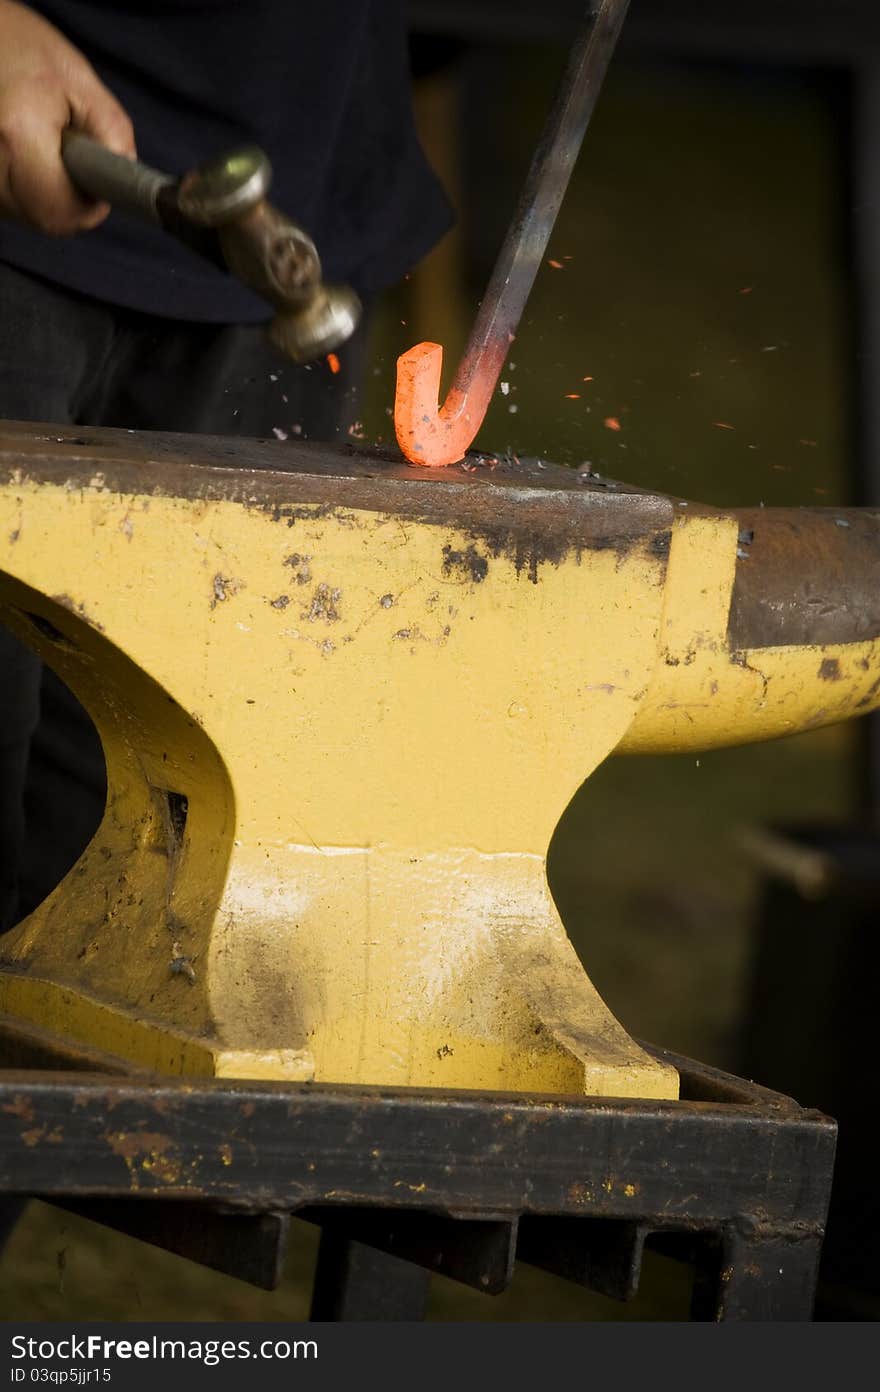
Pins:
x: 344, y: 703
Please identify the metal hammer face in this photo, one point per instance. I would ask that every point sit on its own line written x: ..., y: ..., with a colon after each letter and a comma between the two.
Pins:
x: 343, y: 708
x: 274, y: 257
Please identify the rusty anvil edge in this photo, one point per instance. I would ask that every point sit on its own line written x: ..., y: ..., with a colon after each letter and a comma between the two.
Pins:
x: 778, y: 597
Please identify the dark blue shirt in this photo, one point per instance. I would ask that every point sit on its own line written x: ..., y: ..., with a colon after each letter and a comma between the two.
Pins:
x: 323, y: 88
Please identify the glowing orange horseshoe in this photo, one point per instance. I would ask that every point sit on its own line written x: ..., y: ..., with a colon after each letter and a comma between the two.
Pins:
x: 426, y: 432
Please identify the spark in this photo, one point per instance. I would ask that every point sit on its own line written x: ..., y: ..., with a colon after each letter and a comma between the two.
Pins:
x: 557, y: 265
x: 611, y: 423
x: 572, y: 396
x: 333, y: 363
x: 747, y: 290
x: 279, y: 433
x: 587, y: 379
x: 724, y: 425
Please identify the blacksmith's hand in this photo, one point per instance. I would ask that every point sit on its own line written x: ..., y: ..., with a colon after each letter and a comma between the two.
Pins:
x: 46, y: 85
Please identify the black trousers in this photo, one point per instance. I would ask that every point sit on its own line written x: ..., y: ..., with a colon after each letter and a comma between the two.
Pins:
x: 68, y: 359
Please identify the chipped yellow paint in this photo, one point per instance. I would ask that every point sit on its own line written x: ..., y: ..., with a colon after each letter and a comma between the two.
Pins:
x: 580, y: 1193
x: 161, y: 1168
x: 147, y: 1152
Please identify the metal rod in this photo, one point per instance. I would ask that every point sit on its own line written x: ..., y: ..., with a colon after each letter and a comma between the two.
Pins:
x: 526, y: 241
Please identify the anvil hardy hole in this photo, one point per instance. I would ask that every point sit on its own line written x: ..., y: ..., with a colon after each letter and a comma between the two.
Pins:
x: 178, y: 808
x: 175, y: 812
x: 47, y: 629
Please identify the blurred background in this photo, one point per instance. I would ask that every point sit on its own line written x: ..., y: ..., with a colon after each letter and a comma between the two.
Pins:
x: 713, y: 287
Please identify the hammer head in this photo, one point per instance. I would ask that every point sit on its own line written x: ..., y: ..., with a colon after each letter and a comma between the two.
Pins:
x: 270, y: 254
x: 328, y: 318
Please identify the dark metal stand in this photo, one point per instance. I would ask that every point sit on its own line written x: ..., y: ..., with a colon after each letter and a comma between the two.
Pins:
x: 732, y: 1177
x: 356, y: 1282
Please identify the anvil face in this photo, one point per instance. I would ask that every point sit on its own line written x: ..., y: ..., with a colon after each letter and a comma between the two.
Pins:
x: 343, y: 705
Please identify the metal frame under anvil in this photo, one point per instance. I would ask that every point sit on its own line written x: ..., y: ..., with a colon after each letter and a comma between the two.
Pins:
x: 732, y: 1177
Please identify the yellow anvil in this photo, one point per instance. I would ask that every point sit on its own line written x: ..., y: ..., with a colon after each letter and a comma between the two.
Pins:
x: 344, y: 703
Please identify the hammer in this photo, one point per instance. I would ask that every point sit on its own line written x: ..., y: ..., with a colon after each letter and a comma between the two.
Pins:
x: 220, y: 210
